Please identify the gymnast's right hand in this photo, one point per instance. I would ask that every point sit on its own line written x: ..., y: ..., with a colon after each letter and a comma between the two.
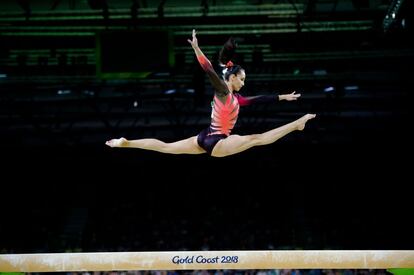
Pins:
x: 117, y: 142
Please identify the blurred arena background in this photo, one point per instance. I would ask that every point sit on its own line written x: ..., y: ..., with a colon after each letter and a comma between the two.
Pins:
x: 75, y: 73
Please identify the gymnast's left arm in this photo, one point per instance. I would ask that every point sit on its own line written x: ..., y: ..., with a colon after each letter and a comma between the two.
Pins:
x: 289, y: 97
x: 243, y: 101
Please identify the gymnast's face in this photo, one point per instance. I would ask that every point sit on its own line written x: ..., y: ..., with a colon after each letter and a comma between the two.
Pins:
x: 237, y: 81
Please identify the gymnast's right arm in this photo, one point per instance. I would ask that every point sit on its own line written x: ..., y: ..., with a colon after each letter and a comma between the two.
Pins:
x: 218, y: 84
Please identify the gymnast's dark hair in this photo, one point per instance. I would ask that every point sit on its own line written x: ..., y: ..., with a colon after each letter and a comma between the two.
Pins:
x: 227, y: 53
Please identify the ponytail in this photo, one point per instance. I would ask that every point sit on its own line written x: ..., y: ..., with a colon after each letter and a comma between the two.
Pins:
x: 227, y: 53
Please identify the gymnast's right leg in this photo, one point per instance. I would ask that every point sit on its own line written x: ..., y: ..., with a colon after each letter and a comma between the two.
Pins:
x: 185, y: 146
x: 235, y: 144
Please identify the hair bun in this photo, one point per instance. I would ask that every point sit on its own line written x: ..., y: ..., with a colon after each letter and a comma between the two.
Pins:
x: 229, y: 64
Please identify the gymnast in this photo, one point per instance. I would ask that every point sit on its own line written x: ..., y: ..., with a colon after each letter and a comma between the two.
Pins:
x: 217, y: 140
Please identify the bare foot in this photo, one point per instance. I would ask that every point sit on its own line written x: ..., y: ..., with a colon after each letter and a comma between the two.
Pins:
x: 302, y: 121
x: 117, y: 142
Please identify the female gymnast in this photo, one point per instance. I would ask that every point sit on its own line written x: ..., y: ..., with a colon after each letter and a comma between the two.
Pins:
x: 217, y: 139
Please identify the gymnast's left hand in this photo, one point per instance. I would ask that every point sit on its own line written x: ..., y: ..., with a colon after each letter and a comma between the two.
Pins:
x: 289, y: 97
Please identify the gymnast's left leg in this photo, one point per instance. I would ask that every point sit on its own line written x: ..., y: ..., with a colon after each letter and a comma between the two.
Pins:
x: 185, y: 146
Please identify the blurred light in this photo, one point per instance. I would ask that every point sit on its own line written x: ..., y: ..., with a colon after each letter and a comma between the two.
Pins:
x: 87, y: 92
x: 63, y: 92
x: 135, y: 103
x: 190, y: 91
x: 162, y: 74
x: 351, y: 88
x: 320, y: 72
x: 169, y: 92
x: 3, y: 75
x: 329, y: 89
x: 391, y: 14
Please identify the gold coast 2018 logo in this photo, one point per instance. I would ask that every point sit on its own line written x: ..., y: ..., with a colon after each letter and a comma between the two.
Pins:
x: 205, y: 260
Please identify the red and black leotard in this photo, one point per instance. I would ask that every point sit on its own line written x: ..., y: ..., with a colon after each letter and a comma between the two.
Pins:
x: 225, y: 108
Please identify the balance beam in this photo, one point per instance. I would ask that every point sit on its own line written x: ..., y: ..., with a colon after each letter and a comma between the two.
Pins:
x: 197, y: 260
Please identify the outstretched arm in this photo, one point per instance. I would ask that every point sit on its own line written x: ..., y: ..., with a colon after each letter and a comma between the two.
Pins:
x: 202, y: 59
x: 243, y: 101
x: 218, y: 84
x: 289, y: 97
